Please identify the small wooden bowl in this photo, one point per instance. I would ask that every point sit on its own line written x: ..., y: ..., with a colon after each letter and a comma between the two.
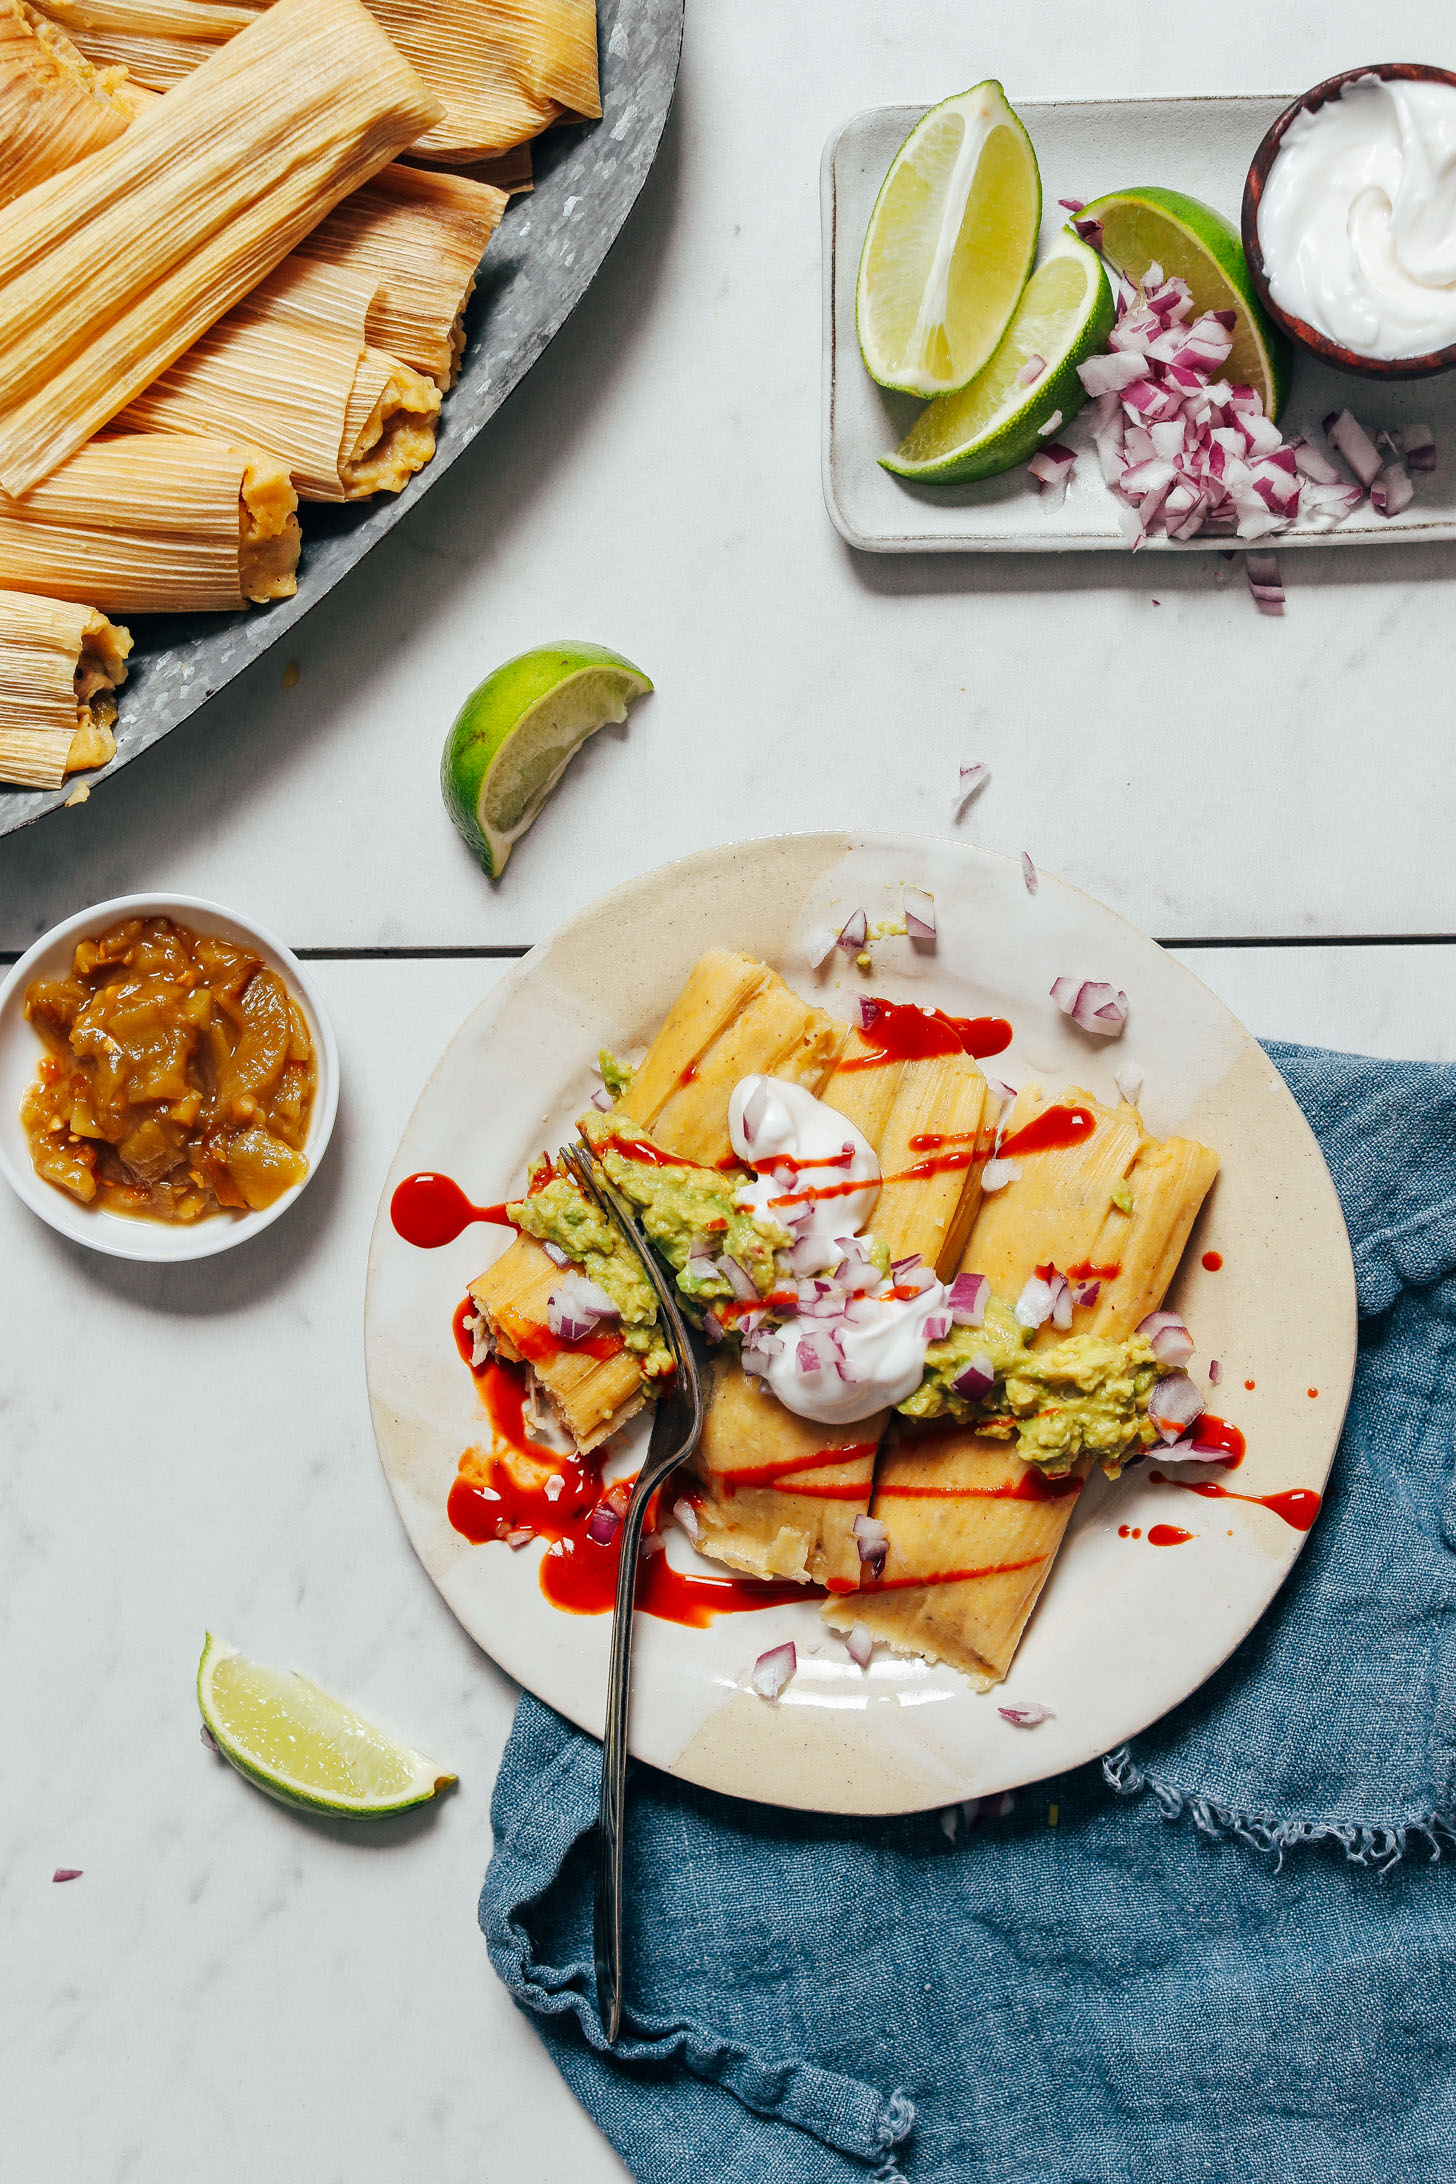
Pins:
x: 1298, y: 329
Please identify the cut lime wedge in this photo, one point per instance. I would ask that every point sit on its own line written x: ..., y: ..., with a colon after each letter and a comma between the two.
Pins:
x: 1001, y: 418
x: 516, y: 735
x: 304, y: 1747
x: 1146, y: 227
x: 950, y: 243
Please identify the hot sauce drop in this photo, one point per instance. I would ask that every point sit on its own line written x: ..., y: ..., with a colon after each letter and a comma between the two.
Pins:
x: 1213, y: 1260
x: 1050, y: 1131
x: 429, y: 1210
x: 1168, y: 1535
x: 1297, y: 1505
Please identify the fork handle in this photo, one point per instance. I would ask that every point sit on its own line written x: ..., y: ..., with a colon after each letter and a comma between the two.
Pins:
x: 607, y: 1916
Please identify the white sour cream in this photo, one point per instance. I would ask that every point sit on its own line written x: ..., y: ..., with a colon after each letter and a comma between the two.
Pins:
x: 1358, y: 218
x: 778, y: 1129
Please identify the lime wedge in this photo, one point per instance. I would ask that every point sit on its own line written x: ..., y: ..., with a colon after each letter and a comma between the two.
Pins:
x: 1065, y: 314
x: 951, y: 241
x: 1145, y: 227
x: 516, y: 735
x: 304, y: 1747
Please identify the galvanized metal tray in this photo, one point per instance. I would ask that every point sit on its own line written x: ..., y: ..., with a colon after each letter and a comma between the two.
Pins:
x: 539, y: 266
x: 1084, y: 148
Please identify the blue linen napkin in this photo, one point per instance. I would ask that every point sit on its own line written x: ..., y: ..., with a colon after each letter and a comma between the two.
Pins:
x: 1263, y: 1989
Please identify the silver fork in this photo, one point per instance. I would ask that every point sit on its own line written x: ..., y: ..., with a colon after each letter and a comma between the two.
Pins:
x: 676, y: 1424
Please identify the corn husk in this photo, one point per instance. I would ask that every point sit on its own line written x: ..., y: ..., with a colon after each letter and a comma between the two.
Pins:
x: 512, y: 171
x: 109, y: 271
x: 60, y: 666
x: 974, y: 1530
x: 153, y: 524
x: 289, y: 370
x: 503, y: 70
x: 55, y: 108
x: 420, y: 236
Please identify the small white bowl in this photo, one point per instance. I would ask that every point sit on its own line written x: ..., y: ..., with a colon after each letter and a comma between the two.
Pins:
x: 123, y: 1236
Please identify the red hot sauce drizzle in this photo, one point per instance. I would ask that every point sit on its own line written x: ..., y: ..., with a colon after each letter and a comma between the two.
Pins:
x: 1297, y: 1505
x: 1052, y: 1131
x: 429, y: 1210
x: 899, y: 1031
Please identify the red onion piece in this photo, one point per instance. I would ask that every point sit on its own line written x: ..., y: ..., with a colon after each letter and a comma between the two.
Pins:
x: 713, y: 1328
x: 1052, y: 466
x: 1215, y: 1372
x: 1027, y: 1715
x: 1174, y: 1404
x: 208, y: 1738
x: 859, y: 1644
x: 818, y: 945
x: 1110, y: 374
x: 576, y: 1307
x: 937, y: 1326
x: 967, y: 1299
x: 521, y: 1536
x: 601, y: 1099
x: 1086, y: 1294
x: 772, y: 1670
x: 1392, y: 490
x: 1129, y: 1082
x: 1053, y: 424
x: 1061, y: 1290
x: 555, y: 1487
x: 1265, y: 582
x: 1349, y: 438
x: 69, y: 1872
x: 1090, y: 231
x: 919, y: 914
x: 807, y: 1358
x: 603, y: 1525
x: 998, y: 1173
x: 738, y: 1278
x: 1092, y: 1004
x: 1034, y: 1305
x: 1029, y: 873
x: 1072, y: 204
x: 1031, y: 371
x: 1167, y: 1337
x: 687, y: 1517
x: 972, y: 778
x: 1315, y: 466
x: 1420, y: 447
x: 555, y: 1254
x: 854, y: 932
x: 976, y: 1378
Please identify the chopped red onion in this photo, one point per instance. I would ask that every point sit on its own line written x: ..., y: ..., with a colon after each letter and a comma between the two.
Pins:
x: 807, y: 1358
x: 1392, y: 490
x: 208, y: 1738
x: 653, y: 1544
x: 1092, y: 1004
x: 1053, y: 465
x: 818, y: 945
x: 1072, y: 204
x: 603, y: 1525
x: 555, y: 1253
x: 1315, y: 466
x: 1348, y: 436
x: 576, y: 1307
x: 71, y: 1872
x: 1031, y: 371
x: 1086, y: 1293
x: 1053, y: 423
x: 998, y: 1173
x: 713, y: 1328
x: 1027, y: 1715
x: 1420, y: 447
x: 1265, y: 582
x: 1174, y: 1404
x: 772, y: 1670
x: 972, y: 778
x: 859, y: 1644
x: 687, y: 1517
x: 1061, y: 1290
x: 967, y: 1299
x: 937, y: 1326
x: 738, y: 1278
x: 977, y: 1377
x: 1167, y: 1337
x: 903, y: 1266
x: 555, y: 1487
x: 1090, y: 231
x: 1034, y: 1305
x: 919, y: 914
x: 1215, y: 1371
x: 1129, y: 1082
x: 854, y: 932
x: 601, y: 1099
x: 873, y: 1542
x: 1029, y: 873
x: 1110, y: 374
x: 521, y: 1536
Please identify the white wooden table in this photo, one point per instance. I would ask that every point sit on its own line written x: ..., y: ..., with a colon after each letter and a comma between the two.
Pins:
x: 231, y: 1993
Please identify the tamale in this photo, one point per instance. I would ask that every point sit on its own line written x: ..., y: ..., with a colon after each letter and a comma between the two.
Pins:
x: 152, y: 523
x: 502, y: 71
x: 780, y: 1493
x: 420, y: 236
x: 288, y: 370
x: 974, y: 1530
x: 733, y: 1017
x: 110, y: 270
x: 511, y: 171
x: 60, y: 667
x: 55, y: 108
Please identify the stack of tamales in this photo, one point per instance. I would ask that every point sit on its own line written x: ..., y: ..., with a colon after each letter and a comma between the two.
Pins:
x: 221, y: 294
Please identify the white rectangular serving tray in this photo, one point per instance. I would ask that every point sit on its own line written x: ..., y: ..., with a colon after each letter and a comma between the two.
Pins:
x: 1084, y: 148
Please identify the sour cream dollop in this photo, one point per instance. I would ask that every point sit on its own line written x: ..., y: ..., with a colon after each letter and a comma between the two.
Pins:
x: 870, y: 1355
x: 1358, y: 218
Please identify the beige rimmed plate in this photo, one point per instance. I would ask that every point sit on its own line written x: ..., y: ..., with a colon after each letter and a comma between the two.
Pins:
x: 1124, y: 1630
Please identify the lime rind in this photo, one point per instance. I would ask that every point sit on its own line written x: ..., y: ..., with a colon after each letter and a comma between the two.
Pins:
x: 995, y: 423
x: 313, y: 1720
x: 982, y: 112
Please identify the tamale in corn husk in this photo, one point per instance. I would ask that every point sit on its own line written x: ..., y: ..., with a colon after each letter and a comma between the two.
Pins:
x: 511, y: 171
x: 780, y: 1493
x: 154, y: 523
x: 420, y: 236
x: 110, y: 270
x: 503, y: 70
x: 732, y: 1018
x: 288, y: 369
x: 55, y: 108
x: 60, y: 667
x: 973, y: 1530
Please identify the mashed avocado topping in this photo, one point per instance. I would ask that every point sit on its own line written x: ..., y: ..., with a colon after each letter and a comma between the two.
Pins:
x: 558, y: 1213
x: 1084, y: 1393
x: 688, y: 1212
x: 616, y: 1076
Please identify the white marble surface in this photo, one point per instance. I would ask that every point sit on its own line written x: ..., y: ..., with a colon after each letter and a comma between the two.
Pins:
x: 231, y: 1992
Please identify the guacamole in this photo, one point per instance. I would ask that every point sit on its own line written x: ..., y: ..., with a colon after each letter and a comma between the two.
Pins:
x: 1084, y: 1393
x: 559, y: 1213
x: 685, y: 1209
x: 616, y: 1076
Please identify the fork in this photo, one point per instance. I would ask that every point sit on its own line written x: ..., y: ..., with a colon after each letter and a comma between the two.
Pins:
x: 677, y: 1422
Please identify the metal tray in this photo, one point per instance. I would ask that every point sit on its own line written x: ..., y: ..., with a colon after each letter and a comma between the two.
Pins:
x: 540, y: 264
x: 1084, y: 148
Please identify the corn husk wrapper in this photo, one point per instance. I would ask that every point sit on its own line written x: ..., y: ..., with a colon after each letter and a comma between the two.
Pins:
x: 55, y: 108
x: 109, y: 271
x: 503, y: 70
x: 153, y: 524
x: 512, y: 171
x: 974, y: 1530
x: 289, y: 369
x: 420, y: 236
x: 60, y: 666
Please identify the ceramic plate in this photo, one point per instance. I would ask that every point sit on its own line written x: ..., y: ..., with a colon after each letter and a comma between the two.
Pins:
x: 1084, y: 148
x: 541, y: 263
x: 1124, y: 1629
